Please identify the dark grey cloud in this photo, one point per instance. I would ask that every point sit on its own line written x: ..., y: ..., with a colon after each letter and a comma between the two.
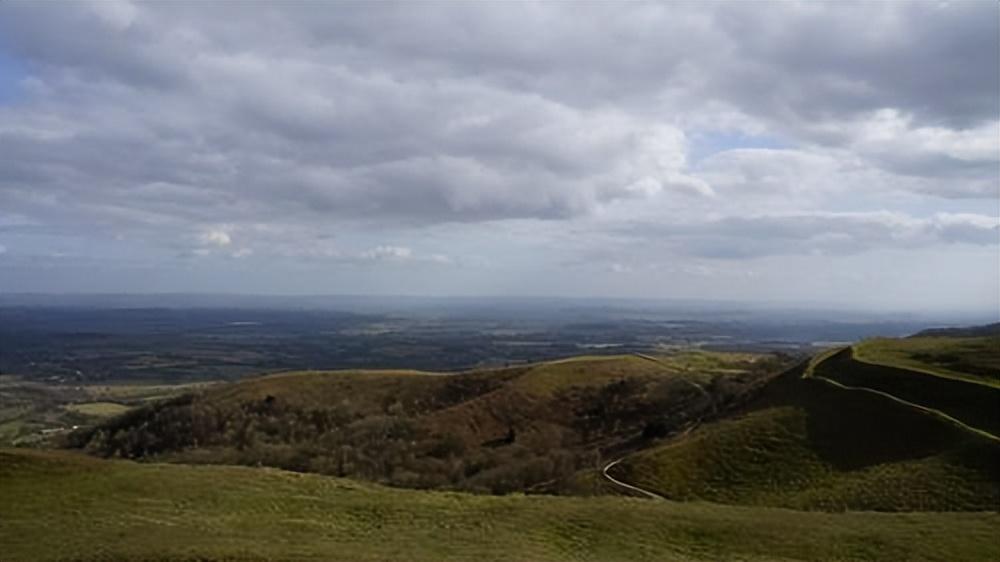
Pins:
x: 936, y: 60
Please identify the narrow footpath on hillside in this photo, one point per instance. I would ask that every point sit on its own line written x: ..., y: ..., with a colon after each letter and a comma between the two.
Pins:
x: 618, y: 482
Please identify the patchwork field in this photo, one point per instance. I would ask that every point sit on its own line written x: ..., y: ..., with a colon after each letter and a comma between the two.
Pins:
x: 34, y: 413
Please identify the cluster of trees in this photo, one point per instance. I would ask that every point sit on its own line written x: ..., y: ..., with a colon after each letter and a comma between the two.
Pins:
x: 392, y: 447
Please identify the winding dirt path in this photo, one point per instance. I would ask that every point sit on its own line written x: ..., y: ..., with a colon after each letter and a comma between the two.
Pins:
x: 612, y: 479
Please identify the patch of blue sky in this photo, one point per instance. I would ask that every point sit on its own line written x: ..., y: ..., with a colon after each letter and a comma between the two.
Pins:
x: 706, y: 143
x: 12, y: 71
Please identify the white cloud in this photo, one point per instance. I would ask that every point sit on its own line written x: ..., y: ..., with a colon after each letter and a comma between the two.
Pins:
x: 380, y: 253
x: 215, y: 237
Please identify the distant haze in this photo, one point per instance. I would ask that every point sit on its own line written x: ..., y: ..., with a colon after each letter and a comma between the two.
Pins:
x: 841, y: 154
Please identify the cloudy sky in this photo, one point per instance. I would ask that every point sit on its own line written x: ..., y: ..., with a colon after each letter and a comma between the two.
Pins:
x: 840, y: 153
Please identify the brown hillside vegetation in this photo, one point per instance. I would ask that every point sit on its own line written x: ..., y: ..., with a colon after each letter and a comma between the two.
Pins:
x: 522, y: 428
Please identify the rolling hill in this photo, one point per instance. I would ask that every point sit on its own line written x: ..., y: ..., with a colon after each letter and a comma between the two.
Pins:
x: 833, y: 434
x: 524, y: 428
x: 758, y: 450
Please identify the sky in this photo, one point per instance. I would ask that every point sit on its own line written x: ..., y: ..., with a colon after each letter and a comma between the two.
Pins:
x: 814, y: 152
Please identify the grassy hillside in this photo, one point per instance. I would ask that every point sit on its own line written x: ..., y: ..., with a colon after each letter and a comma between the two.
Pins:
x: 60, y: 506
x: 550, y: 378
x: 974, y: 359
x: 522, y: 428
x: 810, y: 445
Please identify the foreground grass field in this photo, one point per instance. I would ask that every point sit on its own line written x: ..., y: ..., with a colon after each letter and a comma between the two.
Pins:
x: 62, y: 506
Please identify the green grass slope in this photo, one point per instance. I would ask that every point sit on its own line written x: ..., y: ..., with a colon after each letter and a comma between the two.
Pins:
x: 64, y: 507
x: 552, y: 377
x: 807, y: 444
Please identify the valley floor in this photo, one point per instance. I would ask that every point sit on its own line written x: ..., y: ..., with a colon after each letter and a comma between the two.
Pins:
x: 63, y: 506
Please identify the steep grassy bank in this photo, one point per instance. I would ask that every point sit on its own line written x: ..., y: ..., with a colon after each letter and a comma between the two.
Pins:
x: 972, y: 403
